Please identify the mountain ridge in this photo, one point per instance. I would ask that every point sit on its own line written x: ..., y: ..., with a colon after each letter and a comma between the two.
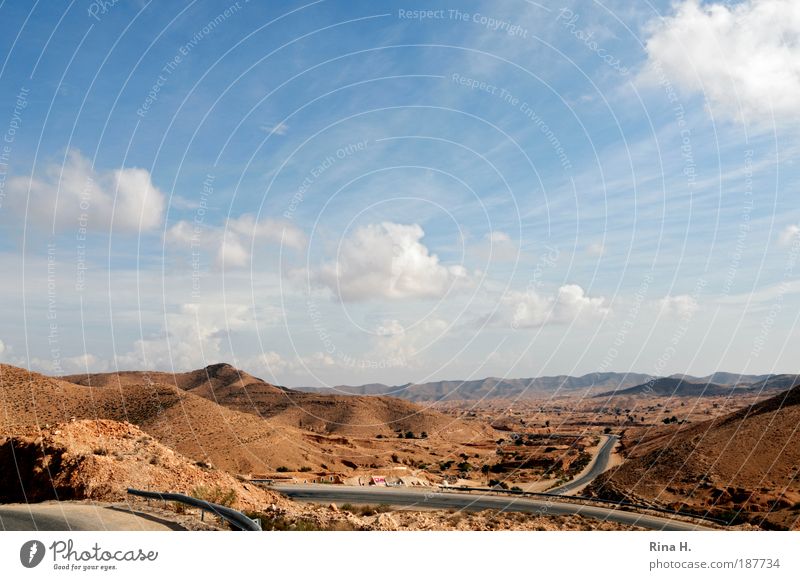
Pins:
x: 499, y: 388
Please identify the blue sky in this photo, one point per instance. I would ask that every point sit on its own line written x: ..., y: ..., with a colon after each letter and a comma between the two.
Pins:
x: 348, y: 192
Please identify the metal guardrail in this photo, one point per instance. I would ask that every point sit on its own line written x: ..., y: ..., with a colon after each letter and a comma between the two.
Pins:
x: 584, y: 498
x: 235, y: 518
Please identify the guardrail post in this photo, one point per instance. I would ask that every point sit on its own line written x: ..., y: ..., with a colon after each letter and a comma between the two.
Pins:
x: 236, y: 518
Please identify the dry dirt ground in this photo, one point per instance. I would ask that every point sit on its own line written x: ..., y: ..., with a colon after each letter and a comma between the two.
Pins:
x: 209, y: 431
x: 742, y: 465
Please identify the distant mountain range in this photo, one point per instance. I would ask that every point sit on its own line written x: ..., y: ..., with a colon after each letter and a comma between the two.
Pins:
x: 606, y: 384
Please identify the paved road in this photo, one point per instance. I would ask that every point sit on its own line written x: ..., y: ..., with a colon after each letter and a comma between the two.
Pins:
x: 598, y: 465
x: 73, y: 516
x: 434, y: 499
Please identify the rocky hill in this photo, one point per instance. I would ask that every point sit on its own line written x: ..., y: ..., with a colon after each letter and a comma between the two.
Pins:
x: 742, y: 465
x: 493, y: 387
x: 671, y: 387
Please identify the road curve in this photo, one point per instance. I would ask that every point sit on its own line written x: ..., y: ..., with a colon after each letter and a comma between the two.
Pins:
x: 598, y: 465
x: 435, y: 499
x: 72, y: 516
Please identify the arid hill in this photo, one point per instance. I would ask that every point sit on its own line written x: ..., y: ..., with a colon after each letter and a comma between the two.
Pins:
x: 240, y: 423
x: 100, y: 459
x: 493, y: 387
x: 323, y: 414
x: 723, y: 378
x: 205, y: 382
x: 775, y: 383
x: 743, y: 464
x: 181, y: 420
x: 671, y: 387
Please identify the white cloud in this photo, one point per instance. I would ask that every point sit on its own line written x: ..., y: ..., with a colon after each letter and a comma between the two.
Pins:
x: 2, y: 348
x: 745, y: 58
x: 789, y: 235
x: 66, y: 194
x: 83, y: 363
x: 532, y: 310
x: 498, y: 246
x: 388, y: 260
x: 277, y: 129
x: 681, y: 305
x: 398, y: 345
x: 273, y: 366
x: 231, y: 243
x: 194, y: 337
x: 596, y: 249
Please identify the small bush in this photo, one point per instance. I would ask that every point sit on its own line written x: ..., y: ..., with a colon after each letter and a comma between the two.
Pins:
x: 100, y: 451
x: 305, y: 469
x: 282, y: 469
x: 215, y: 494
x: 179, y: 508
x: 366, y: 510
x: 276, y: 523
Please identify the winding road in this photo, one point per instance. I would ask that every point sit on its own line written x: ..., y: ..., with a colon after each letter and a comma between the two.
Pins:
x: 434, y: 499
x: 597, y: 466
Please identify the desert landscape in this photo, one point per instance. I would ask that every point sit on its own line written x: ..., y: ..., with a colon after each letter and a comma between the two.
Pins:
x: 717, y: 451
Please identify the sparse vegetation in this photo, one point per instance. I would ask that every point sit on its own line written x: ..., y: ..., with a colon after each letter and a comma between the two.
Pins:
x: 305, y: 469
x: 179, y: 508
x: 282, y: 469
x: 216, y: 494
x: 366, y: 510
x: 280, y: 523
